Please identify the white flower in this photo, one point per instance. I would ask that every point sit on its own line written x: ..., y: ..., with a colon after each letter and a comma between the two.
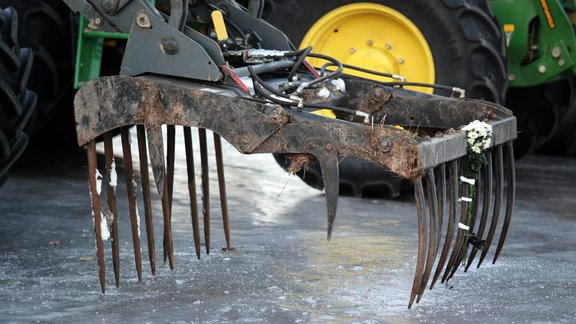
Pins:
x: 478, y: 136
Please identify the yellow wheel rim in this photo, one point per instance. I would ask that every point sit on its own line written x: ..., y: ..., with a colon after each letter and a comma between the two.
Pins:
x: 374, y: 37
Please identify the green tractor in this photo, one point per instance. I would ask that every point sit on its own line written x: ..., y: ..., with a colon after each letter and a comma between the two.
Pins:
x: 516, y: 53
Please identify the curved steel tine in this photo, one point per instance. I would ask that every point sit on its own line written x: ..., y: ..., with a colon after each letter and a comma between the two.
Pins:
x: 510, y: 195
x: 145, y: 177
x: 432, y: 199
x: 192, y: 188
x: 131, y: 187
x: 441, y: 195
x: 499, y: 175
x: 96, y: 211
x: 205, y: 186
x: 419, y: 194
x: 487, y: 185
x: 453, y: 199
x: 170, y: 152
x: 222, y: 189
x: 464, y: 249
x: 457, y: 248
x: 111, y: 199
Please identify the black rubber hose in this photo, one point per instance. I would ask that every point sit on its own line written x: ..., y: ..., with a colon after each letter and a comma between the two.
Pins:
x: 299, y: 62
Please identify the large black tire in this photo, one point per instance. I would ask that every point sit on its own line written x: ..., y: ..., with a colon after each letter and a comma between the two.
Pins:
x: 467, y: 48
x: 45, y: 27
x: 16, y: 102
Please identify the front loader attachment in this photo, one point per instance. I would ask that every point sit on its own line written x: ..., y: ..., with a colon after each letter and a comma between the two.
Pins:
x: 413, y: 135
x: 240, y: 78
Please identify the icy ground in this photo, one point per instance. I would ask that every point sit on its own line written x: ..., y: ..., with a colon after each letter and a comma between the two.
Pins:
x: 282, y: 269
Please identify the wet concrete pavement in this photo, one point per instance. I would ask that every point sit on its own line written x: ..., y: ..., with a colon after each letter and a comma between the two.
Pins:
x: 282, y: 269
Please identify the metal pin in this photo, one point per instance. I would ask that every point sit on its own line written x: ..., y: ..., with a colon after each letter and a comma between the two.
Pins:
x: 419, y: 194
x: 222, y: 188
x: 510, y: 195
x: 499, y: 174
x: 130, y: 185
x: 453, y: 198
x: 192, y: 188
x: 111, y: 199
x: 146, y: 196
x: 205, y: 186
x: 92, y: 163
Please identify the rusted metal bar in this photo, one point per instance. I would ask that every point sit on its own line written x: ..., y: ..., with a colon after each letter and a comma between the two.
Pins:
x: 205, y: 186
x: 93, y: 177
x: 192, y: 188
x: 131, y: 187
x: 222, y: 189
x: 146, y: 195
x: 111, y: 183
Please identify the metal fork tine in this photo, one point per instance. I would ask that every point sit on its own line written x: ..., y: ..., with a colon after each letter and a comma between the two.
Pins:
x: 222, y: 188
x: 111, y: 198
x: 170, y: 153
x: 146, y: 195
x: 419, y: 194
x: 166, y: 213
x: 487, y: 185
x: 432, y: 199
x: 452, y: 262
x: 130, y: 185
x: 156, y: 152
x: 205, y: 187
x: 330, y: 177
x: 497, y: 202
x: 441, y: 196
x: 510, y: 194
x: 95, y: 197
x: 465, y: 244
x: 192, y: 188
x: 453, y: 198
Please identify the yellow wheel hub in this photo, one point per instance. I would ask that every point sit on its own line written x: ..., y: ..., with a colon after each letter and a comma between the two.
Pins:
x: 374, y: 37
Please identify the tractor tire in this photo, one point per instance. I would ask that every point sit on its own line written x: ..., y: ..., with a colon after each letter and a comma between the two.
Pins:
x: 16, y: 102
x: 46, y: 28
x: 458, y: 43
